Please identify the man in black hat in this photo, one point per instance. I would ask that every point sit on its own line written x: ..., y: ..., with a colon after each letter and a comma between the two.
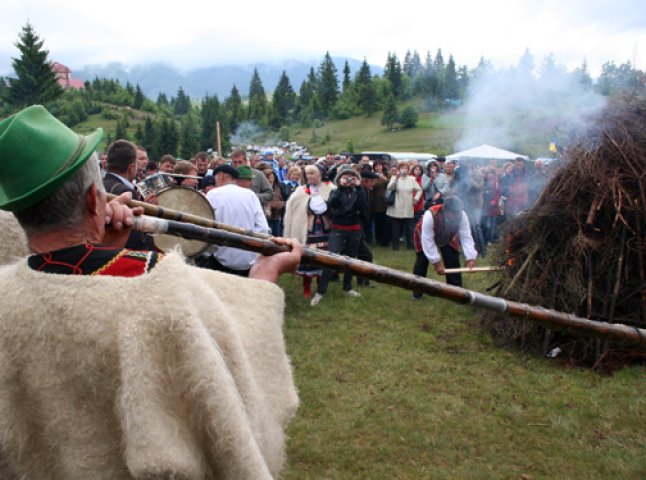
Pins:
x: 438, y: 237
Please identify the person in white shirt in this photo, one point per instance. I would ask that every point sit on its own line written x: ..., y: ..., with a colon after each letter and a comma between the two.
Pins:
x: 240, y: 207
x: 438, y: 238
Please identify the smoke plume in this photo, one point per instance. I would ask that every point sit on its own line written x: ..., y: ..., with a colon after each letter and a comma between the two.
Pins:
x: 515, y: 110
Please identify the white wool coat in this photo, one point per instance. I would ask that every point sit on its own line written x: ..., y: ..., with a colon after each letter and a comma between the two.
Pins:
x: 172, y: 374
x: 407, y: 194
x: 296, y: 213
x: 13, y: 243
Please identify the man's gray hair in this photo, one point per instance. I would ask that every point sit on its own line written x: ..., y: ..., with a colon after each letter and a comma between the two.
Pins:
x: 64, y: 207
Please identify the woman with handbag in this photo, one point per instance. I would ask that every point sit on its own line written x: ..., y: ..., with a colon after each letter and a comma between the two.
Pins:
x: 407, y: 192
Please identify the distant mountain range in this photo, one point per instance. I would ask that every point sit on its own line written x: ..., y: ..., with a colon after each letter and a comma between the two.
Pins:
x: 156, y: 78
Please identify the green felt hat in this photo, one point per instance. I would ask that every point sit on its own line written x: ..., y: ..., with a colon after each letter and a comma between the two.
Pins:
x: 245, y: 172
x: 37, y: 154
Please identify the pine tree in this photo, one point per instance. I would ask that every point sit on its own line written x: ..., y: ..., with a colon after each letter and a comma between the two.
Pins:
x: 210, y: 114
x: 162, y: 100
x: 365, y: 90
x: 139, y: 135
x: 347, y: 82
x: 121, y: 130
x: 189, y: 143
x: 526, y: 64
x: 149, y: 135
x: 393, y: 72
x: 406, y: 66
x: 390, y: 116
x: 450, y: 86
x: 438, y: 63
x: 181, y: 104
x: 139, y: 98
x: 35, y: 82
x: 257, y: 100
x: 166, y: 138
x: 582, y: 75
x: 282, y: 103
x: 234, y: 109
x: 415, y: 65
x: 327, y: 90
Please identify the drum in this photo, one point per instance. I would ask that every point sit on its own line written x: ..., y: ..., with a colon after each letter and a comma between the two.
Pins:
x: 186, y: 200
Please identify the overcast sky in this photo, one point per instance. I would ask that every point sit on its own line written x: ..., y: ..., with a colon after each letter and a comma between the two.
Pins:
x: 192, y: 33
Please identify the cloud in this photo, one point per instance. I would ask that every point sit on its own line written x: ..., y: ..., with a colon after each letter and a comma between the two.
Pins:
x: 194, y: 33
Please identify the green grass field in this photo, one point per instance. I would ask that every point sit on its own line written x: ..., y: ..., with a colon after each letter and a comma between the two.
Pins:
x: 403, y: 389
x: 435, y: 133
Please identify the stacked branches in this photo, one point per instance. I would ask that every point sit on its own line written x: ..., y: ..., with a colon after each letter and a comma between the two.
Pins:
x: 582, y: 247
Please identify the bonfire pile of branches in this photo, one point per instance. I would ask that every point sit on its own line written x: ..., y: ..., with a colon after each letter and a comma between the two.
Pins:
x: 582, y: 248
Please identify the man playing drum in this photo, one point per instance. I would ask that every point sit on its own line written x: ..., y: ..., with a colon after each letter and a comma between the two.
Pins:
x: 195, y: 383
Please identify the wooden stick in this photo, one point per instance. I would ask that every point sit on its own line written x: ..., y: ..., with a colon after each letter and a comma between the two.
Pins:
x: 472, y: 270
x: 550, y: 318
x: 219, y: 136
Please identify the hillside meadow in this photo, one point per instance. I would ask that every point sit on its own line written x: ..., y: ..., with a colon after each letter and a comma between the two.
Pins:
x: 437, y: 131
x: 393, y: 388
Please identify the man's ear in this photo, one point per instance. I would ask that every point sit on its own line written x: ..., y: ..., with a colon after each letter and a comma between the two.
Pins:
x: 91, y: 200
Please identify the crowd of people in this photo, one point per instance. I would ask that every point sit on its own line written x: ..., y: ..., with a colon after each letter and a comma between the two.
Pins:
x: 381, y: 204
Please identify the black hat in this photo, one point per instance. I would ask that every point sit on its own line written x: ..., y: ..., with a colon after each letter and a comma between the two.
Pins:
x: 228, y: 169
x: 368, y: 174
x: 208, y: 180
x: 453, y: 204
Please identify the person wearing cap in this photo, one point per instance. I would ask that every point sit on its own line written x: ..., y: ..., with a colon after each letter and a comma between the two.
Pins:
x: 438, y: 237
x: 245, y: 176
x: 347, y: 205
x: 193, y: 382
x: 237, y: 206
x: 259, y: 184
x: 209, y: 184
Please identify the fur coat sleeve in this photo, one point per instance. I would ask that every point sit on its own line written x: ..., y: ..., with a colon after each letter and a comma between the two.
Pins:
x: 12, y: 238
x: 192, y: 382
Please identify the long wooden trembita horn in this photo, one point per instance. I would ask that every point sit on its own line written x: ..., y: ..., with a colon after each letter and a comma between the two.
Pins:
x: 628, y: 335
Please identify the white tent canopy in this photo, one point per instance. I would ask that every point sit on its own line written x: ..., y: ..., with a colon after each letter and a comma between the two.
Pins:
x: 485, y: 152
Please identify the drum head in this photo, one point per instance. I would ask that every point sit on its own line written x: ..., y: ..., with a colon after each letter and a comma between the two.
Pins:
x: 185, y: 200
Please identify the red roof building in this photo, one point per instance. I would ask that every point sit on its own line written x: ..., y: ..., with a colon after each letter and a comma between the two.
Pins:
x: 64, y: 77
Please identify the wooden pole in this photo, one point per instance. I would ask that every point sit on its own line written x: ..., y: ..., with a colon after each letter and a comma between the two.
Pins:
x: 626, y: 334
x: 219, y: 135
x: 472, y: 270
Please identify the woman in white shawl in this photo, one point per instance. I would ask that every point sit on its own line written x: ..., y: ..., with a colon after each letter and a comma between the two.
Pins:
x: 407, y: 193
x: 306, y: 218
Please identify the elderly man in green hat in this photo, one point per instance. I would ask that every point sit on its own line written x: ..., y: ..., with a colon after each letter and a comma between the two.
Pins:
x: 95, y: 383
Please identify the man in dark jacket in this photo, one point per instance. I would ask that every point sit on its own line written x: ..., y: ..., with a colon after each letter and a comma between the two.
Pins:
x: 347, y: 205
x: 120, y: 178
